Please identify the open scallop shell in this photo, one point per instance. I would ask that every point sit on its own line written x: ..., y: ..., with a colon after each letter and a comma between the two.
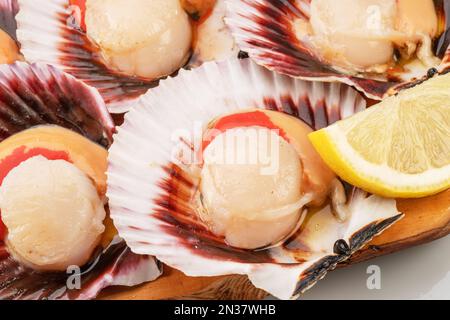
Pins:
x: 263, y: 29
x: 49, y: 33
x: 150, y: 190
x: 38, y: 94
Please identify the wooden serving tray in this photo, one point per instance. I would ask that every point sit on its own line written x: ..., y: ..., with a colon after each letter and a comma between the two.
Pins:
x: 425, y: 220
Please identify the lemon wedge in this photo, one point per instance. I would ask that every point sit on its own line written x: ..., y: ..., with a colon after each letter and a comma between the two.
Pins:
x: 397, y: 148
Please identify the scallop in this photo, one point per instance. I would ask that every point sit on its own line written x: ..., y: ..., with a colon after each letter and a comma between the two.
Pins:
x: 53, y: 214
x: 149, y: 39
x: 257, y: 179
x: 195, y: 193
x: 316, y: 40
x: 345, y: 41
x: 378, y: 26
x: 252, y: 203
x: 123, y: 48
x: 53, y: 219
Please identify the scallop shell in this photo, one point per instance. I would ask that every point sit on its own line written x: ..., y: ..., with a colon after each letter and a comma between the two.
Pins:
x: 150, y: 190
x: 8, y: 10
x: 263, y: 29
x: 39, y: 94
x: 49, y: 33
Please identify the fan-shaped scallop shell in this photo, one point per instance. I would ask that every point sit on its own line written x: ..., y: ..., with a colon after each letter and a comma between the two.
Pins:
x: 150, y: 192
x: 263, y: 29
x: 39, y: 94
x: 49, y: 33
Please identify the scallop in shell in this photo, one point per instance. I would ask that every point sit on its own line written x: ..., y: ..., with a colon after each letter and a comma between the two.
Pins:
x: 153, y: 182
x: 115, y: 46
x: 214, y: 41
x: 385, y: 46
x: 38, y: 102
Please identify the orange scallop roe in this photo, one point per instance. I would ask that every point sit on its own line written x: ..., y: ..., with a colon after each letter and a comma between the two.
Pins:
x: 9, y: 51
x: 199, y: 8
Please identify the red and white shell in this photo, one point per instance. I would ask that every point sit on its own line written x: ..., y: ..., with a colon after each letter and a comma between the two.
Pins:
x: 263, y: 29
x: 49, y: 32
x: 39, y: 94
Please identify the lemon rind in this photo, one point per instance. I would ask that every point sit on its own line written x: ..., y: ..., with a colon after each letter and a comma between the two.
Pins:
x: 345, y: 167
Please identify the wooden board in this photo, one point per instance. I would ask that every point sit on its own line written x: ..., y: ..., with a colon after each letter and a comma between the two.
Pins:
x: 426, y: 220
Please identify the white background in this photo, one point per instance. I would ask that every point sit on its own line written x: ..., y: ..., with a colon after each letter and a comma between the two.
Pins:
x: 421, y: 272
